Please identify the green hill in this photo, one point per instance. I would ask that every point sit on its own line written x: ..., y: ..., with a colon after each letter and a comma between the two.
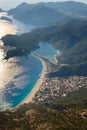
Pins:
x: 62, y: 11
x: 36, y: 14
x: 61, y: 114
x: 70, y: 38
x: 69, y: 8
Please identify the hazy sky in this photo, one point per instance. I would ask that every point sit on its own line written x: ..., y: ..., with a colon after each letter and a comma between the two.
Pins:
x: 6, y: 4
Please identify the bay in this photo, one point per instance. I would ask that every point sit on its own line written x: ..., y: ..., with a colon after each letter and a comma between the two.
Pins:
x: 19, y: 75
x: 48, y: 51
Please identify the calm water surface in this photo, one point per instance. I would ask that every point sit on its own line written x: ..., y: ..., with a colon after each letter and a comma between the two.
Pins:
x: 17, y: 78
x: 19, y: 75
x: 46, y: 50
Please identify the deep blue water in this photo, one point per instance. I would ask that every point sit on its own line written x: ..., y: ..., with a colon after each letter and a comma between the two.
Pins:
x: 36, y: 67
x: 19, y: 75
x: 19, y: 83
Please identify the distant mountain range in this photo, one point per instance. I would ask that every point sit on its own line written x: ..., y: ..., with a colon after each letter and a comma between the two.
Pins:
x: 38, y: 14
x: 1, y: 10
x: 49, y: 13
x: 69, y: 8
x: 70, y: 37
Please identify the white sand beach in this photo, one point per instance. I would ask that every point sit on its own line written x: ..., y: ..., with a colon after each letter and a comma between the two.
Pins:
x: 38, y: 84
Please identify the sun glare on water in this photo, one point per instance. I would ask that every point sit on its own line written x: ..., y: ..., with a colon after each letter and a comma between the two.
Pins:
x: 1, y: 67
x: 1, y: 59
x: 6, y: 28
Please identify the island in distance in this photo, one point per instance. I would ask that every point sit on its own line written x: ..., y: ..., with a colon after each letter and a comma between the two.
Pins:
x: 6, y: 18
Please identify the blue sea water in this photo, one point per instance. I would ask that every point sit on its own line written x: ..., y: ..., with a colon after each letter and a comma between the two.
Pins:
x: 47, y: 50
x: 22, y: 76
x: 20, y: 82
x: 36, y: 68
x: 19, y: 75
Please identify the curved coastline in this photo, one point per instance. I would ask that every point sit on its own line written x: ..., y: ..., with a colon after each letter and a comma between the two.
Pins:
x: 38, y: 84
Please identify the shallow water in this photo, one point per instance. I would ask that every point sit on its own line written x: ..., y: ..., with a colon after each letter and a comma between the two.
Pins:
x: 19, y: 75
x: 17, y: 78
x: 46, y: 50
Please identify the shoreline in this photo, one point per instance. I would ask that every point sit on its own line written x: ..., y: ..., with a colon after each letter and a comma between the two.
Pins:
x: 38, y: 84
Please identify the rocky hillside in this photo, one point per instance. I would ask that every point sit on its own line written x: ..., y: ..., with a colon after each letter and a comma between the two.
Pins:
x: 50, y: 13
x: 70, y: 38
x: 40, y: 15
x: 69, y: 8
x: 60, y: 114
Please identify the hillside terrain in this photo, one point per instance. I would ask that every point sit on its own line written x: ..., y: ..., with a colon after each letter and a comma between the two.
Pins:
x: 51, y: 13
x: 37, y: 14
x: 64, y: 89
x: 69, y: 8
x: 62, y: 114
x: 70, y: 38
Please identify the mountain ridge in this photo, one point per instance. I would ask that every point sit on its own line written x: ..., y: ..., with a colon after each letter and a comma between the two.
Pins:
x: 38, y: 14
x: 76, y: 9
x: 68, y: 8
x: 68, y: 38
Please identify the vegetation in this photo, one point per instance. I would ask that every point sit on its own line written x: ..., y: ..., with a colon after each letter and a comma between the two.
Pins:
x: 70, y: 38
x: 61, y: 114
x: 66, y: 71
x: 68, y: 113
x: 6, y: 18
x: 36, y: 14
x: 23, y: 44
x: 49, y: 13
x: 69, y: 8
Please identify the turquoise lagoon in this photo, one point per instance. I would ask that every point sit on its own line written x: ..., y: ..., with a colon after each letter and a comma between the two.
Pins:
x: 47, y: 50
x: 19, y: 75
